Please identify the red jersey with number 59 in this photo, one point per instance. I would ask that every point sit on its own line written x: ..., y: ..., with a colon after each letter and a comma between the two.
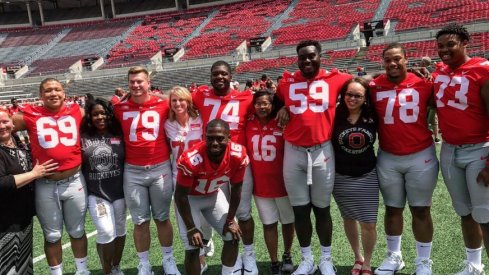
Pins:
x: 265, y: 147
x: 195, y: 170
x: 54, y: 135
x: 311, y: 105
x: 232, y: 108
x: 460, y: 107
x: 144, y: 131
x: 402, y: 110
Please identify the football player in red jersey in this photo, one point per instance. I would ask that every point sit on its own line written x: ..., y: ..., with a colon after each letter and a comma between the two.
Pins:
x: 407, y: 166
x: 233, y: 107
x: 62, y: 197
x: 203, y: 170
x: 462, y: 102
x: 148, y: 186
x: 310, y: 96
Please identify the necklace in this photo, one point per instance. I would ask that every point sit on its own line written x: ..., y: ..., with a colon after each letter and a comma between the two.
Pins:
x: 10, y: 143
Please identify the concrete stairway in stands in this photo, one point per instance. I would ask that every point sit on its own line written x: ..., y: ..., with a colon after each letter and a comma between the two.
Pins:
x: 196, y: 32
x: 41, y: 51
x: 277, y: 24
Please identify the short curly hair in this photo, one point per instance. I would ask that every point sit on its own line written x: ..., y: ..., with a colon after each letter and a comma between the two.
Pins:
x: 454, y: 28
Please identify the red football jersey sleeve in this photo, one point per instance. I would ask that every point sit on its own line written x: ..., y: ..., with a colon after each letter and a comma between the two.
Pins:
x: 196, y: 172
x: 234, y: 108
x: 402, y: 110
x: 461, y: 111
x: 144, y: 131
x: 54, y: 135
x: 311, y: 105
x: 265, y: 147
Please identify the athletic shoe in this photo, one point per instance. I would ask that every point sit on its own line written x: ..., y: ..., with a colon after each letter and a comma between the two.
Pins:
x: 82, y: 272
x: 392, y: 263
x: 203, y: 268
x: 170, y: 266
x: 275, y: 268
x: 144, y: 269
x: 287, y: 265
x: 116, y: 270
x: 306, y: 267
x: 423, y: 266
x: 209, y: 248
x: 249, y: 263
x: 469, y: 269
x: 238, y: 266
x: 326, y: 266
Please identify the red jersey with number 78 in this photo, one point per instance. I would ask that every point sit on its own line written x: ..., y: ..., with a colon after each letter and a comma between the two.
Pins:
x: 460, y: 107
x: 54, y: 135
x: 232, y: 108
x: 402, y: 111
x: 311, y: 104
x: 144, y: 131
x: 197, y: 172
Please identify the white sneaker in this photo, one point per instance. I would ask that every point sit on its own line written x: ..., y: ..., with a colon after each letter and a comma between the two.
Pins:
x: 249, y: 263
x: 392, y: 263
x: 170, y: 266
x: 203, y: 268
x: 116, y: 270
x: 82, y: 272
x: 238, y: 266
x: 144, y: 269
x: 469, y: 269
x: 306, y: 267
x: 326, y: 266
x: 209, y: 248
x: 423, y: 266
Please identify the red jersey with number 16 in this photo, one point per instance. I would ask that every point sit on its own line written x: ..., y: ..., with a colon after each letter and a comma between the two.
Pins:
x: 54, y: 135
x: 311, y: 104
x: 402, y: 110
x: 196, y: 171
x: 232, y: 108
x: 144, y: 131
x: 460, y: 107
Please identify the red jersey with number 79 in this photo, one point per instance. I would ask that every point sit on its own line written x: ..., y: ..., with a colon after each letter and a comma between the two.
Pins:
x: 311, y: 104
x: 144, y: 131
x: 460, y: 107
x: 54, y: 135
x: 197, y: 172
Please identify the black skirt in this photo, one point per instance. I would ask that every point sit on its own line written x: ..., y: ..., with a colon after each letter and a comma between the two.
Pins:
x: 16, y: 250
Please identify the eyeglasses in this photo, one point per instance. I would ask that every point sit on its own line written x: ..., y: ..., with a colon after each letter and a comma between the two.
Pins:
x: 262, y: 104
x: 354, y: 95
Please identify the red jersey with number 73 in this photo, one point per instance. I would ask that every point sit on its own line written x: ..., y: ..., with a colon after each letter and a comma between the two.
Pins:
x: 144, y: 131
x: 402, y: 110
x: 311, y: 104
x: 197, y: 172
x: 460, y: 107
x: 54, y: 135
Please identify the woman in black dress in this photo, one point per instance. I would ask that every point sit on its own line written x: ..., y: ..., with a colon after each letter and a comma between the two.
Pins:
x: 356, y: 189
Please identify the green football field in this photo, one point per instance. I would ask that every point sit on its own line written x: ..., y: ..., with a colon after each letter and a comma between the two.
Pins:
x: 447, y: 255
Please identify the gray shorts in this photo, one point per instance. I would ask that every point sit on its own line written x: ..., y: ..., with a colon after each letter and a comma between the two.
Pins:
x: 412, y: 177
x: 309, y: 174
x: 214, y: 208
x: 148, y: 191
x: 460, y: 166
x: 63, y: 201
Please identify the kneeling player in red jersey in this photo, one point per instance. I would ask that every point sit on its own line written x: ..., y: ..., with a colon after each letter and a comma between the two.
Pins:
x: 202, y: 170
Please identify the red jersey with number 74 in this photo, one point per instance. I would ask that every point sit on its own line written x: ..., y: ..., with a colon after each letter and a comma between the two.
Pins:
x: 144, y: 131
x: 197, y: 172
x: 402, y: 110
x: 54, y: 135
x: 460, y: 107
x: 311, y: 104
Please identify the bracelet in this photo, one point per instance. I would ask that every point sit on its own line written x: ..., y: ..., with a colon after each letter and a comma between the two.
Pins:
x: 191, y: 229
x: 229, y: 222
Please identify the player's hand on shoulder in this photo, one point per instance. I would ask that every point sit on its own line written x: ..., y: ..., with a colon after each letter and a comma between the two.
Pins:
x: 421, y: 72
x: 283, y: 117
x: 483, y: 176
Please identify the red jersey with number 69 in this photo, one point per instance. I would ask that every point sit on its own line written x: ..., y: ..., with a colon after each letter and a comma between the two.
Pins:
x: 402, y: 110
x: 144, y: 131
x: 197, y: 172
x: 232, y: 108
x: 265, y: 147
x: 54, y: 135
x: 460, y: 107
x: 311, y: 105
